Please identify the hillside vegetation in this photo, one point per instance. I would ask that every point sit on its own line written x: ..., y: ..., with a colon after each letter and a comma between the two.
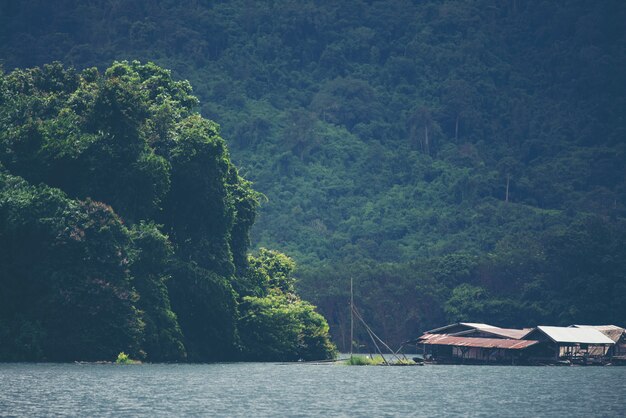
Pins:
x: 461, y: 160
x: 124, y: 228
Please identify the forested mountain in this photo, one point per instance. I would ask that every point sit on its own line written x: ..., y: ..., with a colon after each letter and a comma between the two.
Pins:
x: 124, y: 227
x: 460, y: 159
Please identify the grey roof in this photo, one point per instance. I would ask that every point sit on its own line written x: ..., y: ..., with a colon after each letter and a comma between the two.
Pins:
x: 612, y: 331
x: 486, y: 328
x: 575, y: 335
x: 472, y: 325
x: 477, y: 325
x: 516, y: 334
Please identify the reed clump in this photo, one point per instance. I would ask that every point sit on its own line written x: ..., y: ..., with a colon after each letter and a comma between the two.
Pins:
x: 364, y: 361
x: 123, y: 358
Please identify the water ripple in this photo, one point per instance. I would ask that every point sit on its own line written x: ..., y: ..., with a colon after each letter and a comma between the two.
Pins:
x: 299, y: 390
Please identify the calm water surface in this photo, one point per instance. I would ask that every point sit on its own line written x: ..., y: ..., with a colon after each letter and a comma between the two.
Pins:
x: 255, y: 389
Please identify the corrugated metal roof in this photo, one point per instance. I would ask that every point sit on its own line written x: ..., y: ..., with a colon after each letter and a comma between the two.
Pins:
x: 470, y: 325
x: 516, y: 334
x: 477, y: 325
x: 445, y: 339
x: 575, y: 335
x: 612, y: 331
x: 473, y: 326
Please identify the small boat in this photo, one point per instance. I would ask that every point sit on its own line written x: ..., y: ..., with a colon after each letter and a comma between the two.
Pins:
x: 419, y: 361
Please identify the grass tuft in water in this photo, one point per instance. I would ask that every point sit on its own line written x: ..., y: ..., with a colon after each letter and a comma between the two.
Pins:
x: 364, y: 361
x: 376, y: 361
x: 122, y: 358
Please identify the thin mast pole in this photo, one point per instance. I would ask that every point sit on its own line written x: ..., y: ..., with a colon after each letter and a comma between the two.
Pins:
x: 351, y: 319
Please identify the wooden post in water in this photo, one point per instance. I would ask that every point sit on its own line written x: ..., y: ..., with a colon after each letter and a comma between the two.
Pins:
x: 351, y: 319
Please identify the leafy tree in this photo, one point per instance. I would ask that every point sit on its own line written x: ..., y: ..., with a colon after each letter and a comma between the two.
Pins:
x: 67, y: 294
x: 275, y: 324
x: 281, y: 327
x: 199, y: 212
x: 163, y: 338
x: 87, y: 271
x: 206, y: 307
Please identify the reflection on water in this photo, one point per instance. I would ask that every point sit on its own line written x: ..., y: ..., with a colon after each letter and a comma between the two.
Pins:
x: 255, y: 389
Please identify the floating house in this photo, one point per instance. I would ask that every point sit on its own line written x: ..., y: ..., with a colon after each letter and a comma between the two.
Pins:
x: 444, y: 348
x: 478, y: 343
x: 578, y: 345
x: 615, y: 333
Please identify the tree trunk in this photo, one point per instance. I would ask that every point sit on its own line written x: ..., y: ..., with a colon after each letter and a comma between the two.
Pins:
x: 456, y: 129
x: 508, y: 181
x: 426, y: 145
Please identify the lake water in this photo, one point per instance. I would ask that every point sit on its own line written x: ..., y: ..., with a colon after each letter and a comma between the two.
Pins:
x: 257, y: 389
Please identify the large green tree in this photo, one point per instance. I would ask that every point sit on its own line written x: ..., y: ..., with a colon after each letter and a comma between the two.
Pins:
x: 66, y: 290
x: 276, y: 324
x: 124, y: 225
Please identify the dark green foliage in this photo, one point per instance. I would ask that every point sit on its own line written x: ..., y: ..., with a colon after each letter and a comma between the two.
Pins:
x: 473, y: 303
x: 397, y: 299
x: 281, y: 327
x: 276, y: 267
x: 200, y: 212
x: 163, y: 339
x: 246, y: 203
x: 275, y: 324
x: 66, y: 292
x: 86, y: 271
x: 86, y: 134
x: 205, y: 304
x: 416, y: 146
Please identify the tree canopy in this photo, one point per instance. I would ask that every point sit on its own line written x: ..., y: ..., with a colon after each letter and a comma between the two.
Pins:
x: 124, y: 225
x: 445, y: 154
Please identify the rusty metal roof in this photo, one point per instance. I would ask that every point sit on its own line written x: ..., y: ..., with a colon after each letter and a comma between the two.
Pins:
x: 445, y: 339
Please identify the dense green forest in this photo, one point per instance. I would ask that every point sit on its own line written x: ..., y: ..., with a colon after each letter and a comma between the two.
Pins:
x: 124, y: 227
x: 461, y: 160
